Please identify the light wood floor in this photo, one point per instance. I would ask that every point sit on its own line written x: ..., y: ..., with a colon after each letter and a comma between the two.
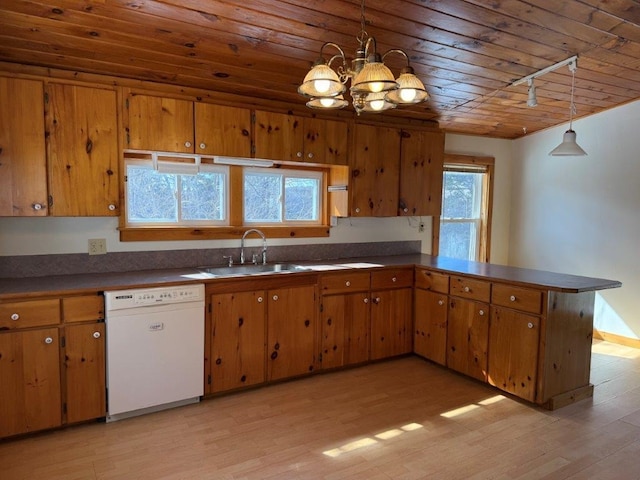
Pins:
x: 401, y: 419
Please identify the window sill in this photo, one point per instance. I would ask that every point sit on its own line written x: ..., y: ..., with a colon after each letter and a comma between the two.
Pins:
x: 217, y: 233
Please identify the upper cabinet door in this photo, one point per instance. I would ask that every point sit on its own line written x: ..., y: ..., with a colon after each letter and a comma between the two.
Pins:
x: 82, y: 148
x: 158, y: 123
x: 421, y: 164
x: 375, y: 171
x: 222, y: 130
x: 325, y: 141
x: 23, y: 169
x: 279, y: 136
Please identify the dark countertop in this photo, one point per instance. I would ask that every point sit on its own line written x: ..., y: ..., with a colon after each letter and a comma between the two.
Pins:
x: 89, y: 283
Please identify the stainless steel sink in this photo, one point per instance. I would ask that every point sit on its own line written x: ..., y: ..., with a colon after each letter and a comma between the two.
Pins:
x: 240, y: 270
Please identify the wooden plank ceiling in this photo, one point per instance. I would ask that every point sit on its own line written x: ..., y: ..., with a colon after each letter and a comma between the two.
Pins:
x: 467, y: 52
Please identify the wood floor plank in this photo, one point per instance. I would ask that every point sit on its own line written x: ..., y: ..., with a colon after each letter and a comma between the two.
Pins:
x: 401, y: 419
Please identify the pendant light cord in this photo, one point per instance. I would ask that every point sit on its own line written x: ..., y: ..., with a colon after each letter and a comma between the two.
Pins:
x: 572, y: 106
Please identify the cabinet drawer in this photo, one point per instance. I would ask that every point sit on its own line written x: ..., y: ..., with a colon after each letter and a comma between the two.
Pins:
x: 392, y: 278
x: 33, y: 313
x: 428, y: 280
x: 470, y: 288
x: 344, y: 282
x: 525, y: 299
x: 80, y: 309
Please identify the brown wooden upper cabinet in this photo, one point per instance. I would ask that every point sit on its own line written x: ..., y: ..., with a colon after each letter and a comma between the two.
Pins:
x: 281, y: 136
x: 183, y: 126
x: 23, y: 168
x: 82, y: 150
x: 375, y: 171
x: 421, y: 164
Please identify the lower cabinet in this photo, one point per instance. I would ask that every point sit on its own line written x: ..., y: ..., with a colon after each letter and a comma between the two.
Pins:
x: 391, y: 323
x: 291, y: 332
x: 239, y: 336
x: 430, y: 312
x: 468, y: 337
x: 30, y: 397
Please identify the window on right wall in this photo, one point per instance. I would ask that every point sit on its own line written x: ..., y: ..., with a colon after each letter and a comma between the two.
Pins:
x: 463, y: 229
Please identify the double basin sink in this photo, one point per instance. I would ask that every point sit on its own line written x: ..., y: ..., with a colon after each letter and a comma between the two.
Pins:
x: 252, y: 269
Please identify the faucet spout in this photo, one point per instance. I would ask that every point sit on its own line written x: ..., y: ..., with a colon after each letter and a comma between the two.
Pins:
x: 264, y: 245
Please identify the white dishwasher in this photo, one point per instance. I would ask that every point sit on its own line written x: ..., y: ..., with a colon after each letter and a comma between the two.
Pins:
x: 155, y: 349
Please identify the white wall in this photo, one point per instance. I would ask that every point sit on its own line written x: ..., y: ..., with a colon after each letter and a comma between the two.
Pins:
x: 581, y: 215
x: 501, y: 151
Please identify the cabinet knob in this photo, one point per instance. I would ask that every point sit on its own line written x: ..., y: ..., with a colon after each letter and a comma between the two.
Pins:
x: 259, y: 299
x: 358, y: 210
x: 111, y: 207
x: 366, y: 300
x: 347, y: 283
x: 299, y: 154
x: 37, y: 206
x: 96, y: 335
x: 15, y: 316
x: 512, y: 298
x: 481, y: 312
x: 275, y: 298
x: 376, y: 300
x: 530, y: 325
x: 48, y: 340
x: 440, y: 302
x: 405, y: 209
x: 203, y: 146
x: 310, y: 155
x: 187, y: 144
x: 394, y: 279
x: 467, y: 289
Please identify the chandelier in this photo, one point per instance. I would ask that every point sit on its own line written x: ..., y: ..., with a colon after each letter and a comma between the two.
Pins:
x: 373, y: 86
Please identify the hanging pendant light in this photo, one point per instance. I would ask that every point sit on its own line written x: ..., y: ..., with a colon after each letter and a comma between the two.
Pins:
x: 569, y: 146
x: 373, y: 86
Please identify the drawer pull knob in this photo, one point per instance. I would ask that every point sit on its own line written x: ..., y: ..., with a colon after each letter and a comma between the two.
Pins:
x: 187, y: 144
x: 347, y: 283
x: 467, y: 289
x: 440, y: 302
x: 48, y: 340
x: 310, y: 155
x: 394, y: 279
x: 376, y: 300
x: 275, y: 298
x: 299, y: 154
x: 481, y: 312
x: 358, y: 210
x: 37, y: 206
x: 203, y: 145
x: 512, y: 298
x: 259, y: 299
x: 15, y: 316
x: 530, y: 325
x: 96, y: 335
x: 366, y: 300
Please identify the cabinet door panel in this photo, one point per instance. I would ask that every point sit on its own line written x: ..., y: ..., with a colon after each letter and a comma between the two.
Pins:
x: 278, y: 136
x: 468, y: 337
x: 421, y: 164
x: 158, y: 123
x: 334, y: 319
x: 238, y: 347
x: 23, y: 168
x: 221, y: 130
x: 30, y: 379
x: 391, y: 329
x: 513, y: 352
x: 357, y: 328
x: 82, y: 148
x: 375, y: 171
x: 85, y: 371
x: 430, y: 325
x: 291, y: 332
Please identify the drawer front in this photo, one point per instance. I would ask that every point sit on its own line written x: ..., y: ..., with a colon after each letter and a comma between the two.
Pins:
x: 392, y: 278
x: 519, y: 298
x: 81, y: 309
x: 33, y: 313
x: 470, y: 288
x: 344, y: 282
x: 433, y: 281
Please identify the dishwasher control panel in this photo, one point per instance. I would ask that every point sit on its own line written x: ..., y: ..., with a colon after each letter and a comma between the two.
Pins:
x: 122, y: 299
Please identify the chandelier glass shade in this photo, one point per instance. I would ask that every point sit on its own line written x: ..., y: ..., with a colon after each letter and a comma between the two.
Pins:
x: 373, y: 86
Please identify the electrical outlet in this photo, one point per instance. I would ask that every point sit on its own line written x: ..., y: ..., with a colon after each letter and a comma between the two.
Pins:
x: 421, y: 227
x: 97, y: 246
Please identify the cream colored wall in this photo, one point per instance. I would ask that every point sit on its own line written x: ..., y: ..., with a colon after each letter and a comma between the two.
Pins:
x: 581, y: 215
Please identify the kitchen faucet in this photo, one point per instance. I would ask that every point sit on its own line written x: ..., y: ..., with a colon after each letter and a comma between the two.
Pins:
x: 264, y: 246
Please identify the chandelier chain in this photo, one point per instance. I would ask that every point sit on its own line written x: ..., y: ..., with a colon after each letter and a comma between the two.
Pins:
x: 363, y: 35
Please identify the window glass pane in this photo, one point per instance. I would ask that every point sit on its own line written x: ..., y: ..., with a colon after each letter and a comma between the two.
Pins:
x: 262, y: 197
x: 461, y: 195
x: 203, y: 196
x: 151, y: 196
x: 458, y: 240
x: 301, y: 199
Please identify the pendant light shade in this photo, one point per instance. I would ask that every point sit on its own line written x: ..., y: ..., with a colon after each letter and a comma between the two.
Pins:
x: 321, y: 81
x: 410, y: 89
x: 328, y: 102
x: 374, y: 77
x: 568, y: 147
x: 377, y: 102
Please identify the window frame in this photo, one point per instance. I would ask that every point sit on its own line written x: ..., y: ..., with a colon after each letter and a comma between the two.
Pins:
x: 463, y: 162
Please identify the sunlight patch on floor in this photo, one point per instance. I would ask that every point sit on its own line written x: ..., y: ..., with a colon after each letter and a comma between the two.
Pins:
x: 615, y: 350
x: 367, y: 442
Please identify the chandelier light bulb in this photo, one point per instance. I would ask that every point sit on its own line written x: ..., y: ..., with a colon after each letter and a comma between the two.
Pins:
x: 408, y: 94
x: 327, y: 102
x: 376, y: 87
x: 377, y: 104
x: 322, y: 86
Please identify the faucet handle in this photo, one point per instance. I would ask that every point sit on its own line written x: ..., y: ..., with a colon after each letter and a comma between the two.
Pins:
x: 254, y: 258
x: 230, y: 258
